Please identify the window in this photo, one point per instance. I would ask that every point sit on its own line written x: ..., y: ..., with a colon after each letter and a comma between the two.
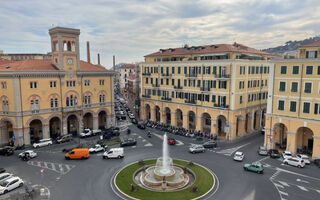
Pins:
x: 185, y: 70
x: 147, y: 80
x: 87, y: 100
x: 185, y: 82
x: 101, y: 98
x: 283, y: 70
x: 161, y: 81
x: 280, y: 105
x: 33, y: 84
x: 282, y: 86
x: 311, y: 54
x: 71, y: 83
x: 295, y: 70
x: 151, y: 80
x: 317, y: 108
x: 307, y: 87
x: 172, y: 81
x: 293, y: 106
x: 34, y: 104
x: 214, y: 70
x: 309, y: 70
x: 306, y: 107
x: 318, y: 70
x: 241, y: 100
x: 101, y: 82
x: 4, y: 85
x: 71, y: 101
x: 179, y: 70
x: 54, y: 102
x: 5, y: 105
x: 294, y: 86
x: 86, y: 82
x: 167, y: 81
x: 53, y: 84
x: 172, y: 69
x: 213, y: 98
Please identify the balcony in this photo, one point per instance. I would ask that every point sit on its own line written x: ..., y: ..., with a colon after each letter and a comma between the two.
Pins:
x: 191, y: 75
x: 166, y: 99
x: 205, y: 89
x: 155, y: 85
x: 146, y: 74
x: 220, y: 105
x: 191, y: 101
x: 179, y: 87
x: 166, y: 75
x: 146, y: 96
x: 223, y: 76
x: 72, y: 108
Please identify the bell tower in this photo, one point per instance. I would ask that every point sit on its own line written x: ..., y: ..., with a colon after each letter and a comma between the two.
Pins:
x: 65, y: 48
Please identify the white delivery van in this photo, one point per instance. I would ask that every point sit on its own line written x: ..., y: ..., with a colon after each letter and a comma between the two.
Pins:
x: 114, y: 153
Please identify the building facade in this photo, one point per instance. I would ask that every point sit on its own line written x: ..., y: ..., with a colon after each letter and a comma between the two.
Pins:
x: 293, y: 114
x: 125, y: 71
x: 25, y: 56
x: 48, y: 98
x: 219, y: 89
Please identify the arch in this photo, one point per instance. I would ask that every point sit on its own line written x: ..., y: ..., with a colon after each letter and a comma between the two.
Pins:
x: 69, y: 46
x: 191, y: 120
x: 305, y: 141
x: 256, y: 120
x: 280, y: 135
x: 248, y: 123
x: 35, y: 130
x: 157, y: 113
x: 87, y: 93
x: 221, y: 124
x: 71, y: 92
x: 55, y: 127
x: 179, y: 118
x: 4, y: 98
x: 6, y: 131
x: 263, y: 120
x: 206, y: 122
x: 53, y: 95
x: 147, y: 111
x: 73, y: 124
x: 102, y: 119
x: 88, y: 120
x: 168, y: 115
x: 34, y: 97
x: 34, y: 118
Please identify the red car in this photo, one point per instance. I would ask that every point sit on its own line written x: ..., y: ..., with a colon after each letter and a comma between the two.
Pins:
x: 172, y: 141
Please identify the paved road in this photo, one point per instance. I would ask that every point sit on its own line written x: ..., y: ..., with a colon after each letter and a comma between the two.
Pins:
x: 90, y: 179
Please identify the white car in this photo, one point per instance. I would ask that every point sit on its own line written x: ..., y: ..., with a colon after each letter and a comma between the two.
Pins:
x: 286, y: 154
x: 294, y: 161
x: 42, y: 143
x: 96, y: 131
x: 5, y: 176
x: 113, y: 153
x: 10, y: 184
x: 97, y: 148
x: 131, y: 116
x: 238, y: 156
x: 196, y: 149
x: 31, y: 153
x: 86, y: 133
x: 305, y: 158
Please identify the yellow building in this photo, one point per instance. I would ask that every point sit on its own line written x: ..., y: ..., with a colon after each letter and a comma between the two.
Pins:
x: 293, y: 114
x: 48, y: 98
x: 219, y: 89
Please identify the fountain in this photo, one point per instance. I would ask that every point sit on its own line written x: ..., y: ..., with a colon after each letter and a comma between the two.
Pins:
x: 164, y: 175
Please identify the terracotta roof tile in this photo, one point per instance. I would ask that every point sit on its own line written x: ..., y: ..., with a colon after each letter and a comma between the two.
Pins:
x: 5, y: 61
x: 207, y: 49
x: 126, y: 66
x: 311, y: 44
x: 85, y: 66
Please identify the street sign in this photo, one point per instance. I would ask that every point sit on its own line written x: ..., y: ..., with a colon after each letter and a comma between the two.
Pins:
x: 226, y: 128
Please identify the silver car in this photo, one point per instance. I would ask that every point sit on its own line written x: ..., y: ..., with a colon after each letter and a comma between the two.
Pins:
x: 262, y: 151
x: 197, y: 149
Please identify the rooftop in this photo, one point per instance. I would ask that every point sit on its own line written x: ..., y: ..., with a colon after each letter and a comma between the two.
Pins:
x: 128, y: 66
x: 312, y: 44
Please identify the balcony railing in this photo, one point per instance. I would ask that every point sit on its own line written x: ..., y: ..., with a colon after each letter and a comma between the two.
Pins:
x: 191, y: 101
x: 191, y: 75
x: 166, y: 99
x: 220, y: 105
x: 222, y: 75
x: 155, y: 85
x: 146, y: 73
x: 205, y: 89
x: 179, y: 87
x: 146, y: 96
x: 166, y: 74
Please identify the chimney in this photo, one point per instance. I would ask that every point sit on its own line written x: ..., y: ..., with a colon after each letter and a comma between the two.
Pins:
x: 98, y: 58
x: 114, y: 62
x: 88, y: 52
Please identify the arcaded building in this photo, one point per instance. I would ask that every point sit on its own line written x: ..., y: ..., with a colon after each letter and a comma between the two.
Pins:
x: 49, y: 98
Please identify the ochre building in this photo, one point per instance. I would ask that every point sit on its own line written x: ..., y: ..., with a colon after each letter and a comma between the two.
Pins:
x: 48, y: 98
x: 218, y: 89
x: 293, y: 114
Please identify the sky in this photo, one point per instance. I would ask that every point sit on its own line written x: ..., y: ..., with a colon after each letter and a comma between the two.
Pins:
x: 131, y: 29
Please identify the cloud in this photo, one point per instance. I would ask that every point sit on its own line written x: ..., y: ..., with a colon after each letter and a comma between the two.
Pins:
x: 131, y: 29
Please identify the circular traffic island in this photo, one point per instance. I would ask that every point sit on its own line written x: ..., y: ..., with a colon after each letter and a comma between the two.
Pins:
x: 146, y: 180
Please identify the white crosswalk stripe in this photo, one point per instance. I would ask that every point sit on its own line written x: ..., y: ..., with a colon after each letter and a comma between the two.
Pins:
x: 318, y: 191
x: 302, y: 188
x: 284, y: 183
x: 148, y: 145
x: 57, y: 167
x: 283, y: 193
x: 229, y: 152
x: 278, y: 185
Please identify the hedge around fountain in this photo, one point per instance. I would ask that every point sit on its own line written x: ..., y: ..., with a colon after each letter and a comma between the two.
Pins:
x: 204, y: 181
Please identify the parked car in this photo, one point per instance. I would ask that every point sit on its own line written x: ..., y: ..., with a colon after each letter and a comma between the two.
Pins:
x: 97, y: 148
x: 96, y: 131
x: 172, y: 141
x: 113, y: 153
x: 29, y: 153
x: 196, y: 149
x: 64, y: 138
x: 141, y: 125
x: 305, y: 158
x: 2, y: 170
x: 131, y: 116
x: 86, y: 133
x: 254, y: 167
x: 10, y: 184
x: 6, y: 151
x: 134, y: 121
x: 4, y: 176
x: 77, y: 153
x: 210, y: 144
x: 286, y: 154
x: 42, y: 143
x: 128, y: 142
x: 294, y: 161
x: 262, y: 151
x: 238, y: 156
x: 273, y: 153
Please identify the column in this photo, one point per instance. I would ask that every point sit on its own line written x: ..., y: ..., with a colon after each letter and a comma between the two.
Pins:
x: 292, y: 142
x: 173, y: 119
x: 232, y: 131
x: 18, y: 133
x: 65, y: 127
x: 252, y: 121
x: 26, y: 136
x: 185, y: 121
x: 95, y: 122
x: 260, y: 121
x: 153, y: 114
x: 163, y: 117
x: 198, y: 123
x: 45, y: 131
x: 316, y: 147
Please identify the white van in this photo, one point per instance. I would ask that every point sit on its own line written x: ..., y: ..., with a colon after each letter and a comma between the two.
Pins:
x: 114, y: 153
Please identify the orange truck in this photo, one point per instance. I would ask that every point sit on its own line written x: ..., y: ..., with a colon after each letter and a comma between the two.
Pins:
x: 79, y: 153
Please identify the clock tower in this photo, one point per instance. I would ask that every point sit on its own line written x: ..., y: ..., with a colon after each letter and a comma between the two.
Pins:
x: 65, y: 48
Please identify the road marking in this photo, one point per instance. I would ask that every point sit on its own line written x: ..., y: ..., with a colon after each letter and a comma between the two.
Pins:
x: 139, y: 136
x: 229, y: 152
x: 302, y: 188
x: 290, y: 172
x: 262, y: 159
x: 266, y: 165
x: 283, y: 193
x: 52, y: 166
x: 278, y: 185
x: 133, y: 146
x: 284, y: 183
x: 318, y: 191
x: 303, y: 181
x: 143, y: 140
x: 148, y: 145
x: 179, y: 143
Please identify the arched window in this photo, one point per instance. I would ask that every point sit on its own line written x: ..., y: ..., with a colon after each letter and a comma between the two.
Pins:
x: 67, y: 101
x: 73, y: 47
x: 34, y: 104
x: 64, y: 46
x: 5, y: 105
x: 69, y: 46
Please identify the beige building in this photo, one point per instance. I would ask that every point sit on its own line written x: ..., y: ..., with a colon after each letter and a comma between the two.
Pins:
x: 293, y: 114
x: 219, y: 89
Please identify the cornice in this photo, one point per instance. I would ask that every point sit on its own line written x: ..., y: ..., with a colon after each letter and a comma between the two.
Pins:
x: 32, y: 73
